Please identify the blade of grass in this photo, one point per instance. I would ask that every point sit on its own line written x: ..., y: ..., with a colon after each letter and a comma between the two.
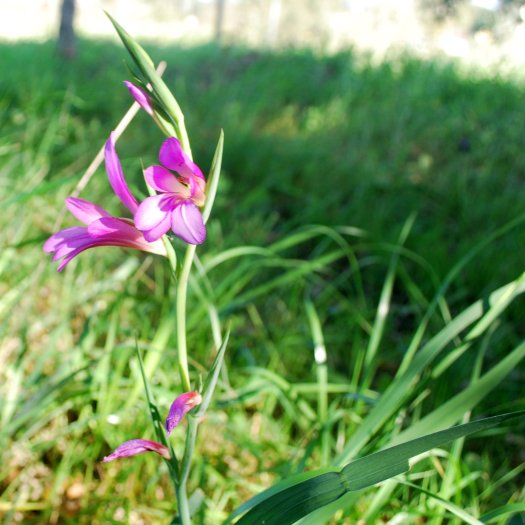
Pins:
x: 402, y: 384
x: 298, y: 500
x: 322, y: 379
x: 452, y: 410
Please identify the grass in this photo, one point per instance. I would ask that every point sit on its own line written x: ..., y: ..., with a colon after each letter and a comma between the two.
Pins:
x: 407, y: 165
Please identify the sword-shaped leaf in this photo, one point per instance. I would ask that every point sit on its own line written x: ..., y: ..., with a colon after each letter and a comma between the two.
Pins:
x: 287, y: 506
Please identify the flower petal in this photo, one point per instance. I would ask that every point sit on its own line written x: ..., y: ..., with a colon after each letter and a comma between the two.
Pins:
x: 116, y: 176
x: 120, y: 232
x: 197, y: 188
x: 67, y: 244
x: 173, y: 157
x: 140, y: 96
x: 161, y: 179
x: 63, y: 236
x: 153, y: 216
x: 137, y: 446
x: 187, y: 223
x: 155, y: 233
x: 112, y: 226
x: 107, y: 231
x: 183, y: 404
x: 85, y: 211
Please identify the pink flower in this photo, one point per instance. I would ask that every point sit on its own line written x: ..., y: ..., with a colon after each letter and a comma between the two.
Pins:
x: 179, y: 408
x: 137, y: 446
x: 177, y: 205
x: 101, y: 228
x: 141, y: 97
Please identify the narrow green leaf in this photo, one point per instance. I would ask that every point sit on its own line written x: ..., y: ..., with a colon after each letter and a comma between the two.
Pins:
x: 395, y: 393
x: 291, y: 504
x: 453, y: 509
x: 154, y: 355
x: 384, y: 303
x: 324, y: 514
x: 213, y: 178
x: 141, y: 58
x: 172, y: 463
x: 153, y: 410
x: 511, y: 508
x: 278, y: 487
x: 389, y: 462
x: 451, y: 411
x: 320, y: 358
x: 213, y: 376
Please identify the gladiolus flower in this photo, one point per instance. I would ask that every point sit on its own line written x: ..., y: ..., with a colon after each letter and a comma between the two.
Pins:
x: 137, y: 446
x: 177, y: 204
x: 183, y: 404
x: 102, y: 229
x: 179, y: 408
x: 141, y: 97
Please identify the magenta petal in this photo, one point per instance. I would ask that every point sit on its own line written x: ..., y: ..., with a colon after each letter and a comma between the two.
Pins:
x: 116, y: 176
x: 107, y: 231
x: 183, y: 404
x: 68, y: 243
x: 140, y: 96
x: 137, y: 446
x: 154, y: 234
x: 114, y: 227
x: 111, y: 231
x: 173, y: 157
x: 153, y: 212
x: 85, y: 211
x: 69, y: 246
x: 161, y: 179
x: 187, y: 223
x: 63, y: 237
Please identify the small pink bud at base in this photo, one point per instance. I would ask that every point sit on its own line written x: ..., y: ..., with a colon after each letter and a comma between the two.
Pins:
x: 180, y: 407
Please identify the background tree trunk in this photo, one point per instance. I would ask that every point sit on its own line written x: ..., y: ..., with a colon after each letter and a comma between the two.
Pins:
x: 219, y: 19
x: 66, y: 34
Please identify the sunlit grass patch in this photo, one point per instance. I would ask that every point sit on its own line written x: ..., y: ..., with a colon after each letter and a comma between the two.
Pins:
x: 386, y: 293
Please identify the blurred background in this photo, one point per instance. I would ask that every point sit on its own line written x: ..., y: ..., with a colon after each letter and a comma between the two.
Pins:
x: 373, y: 179
x: 484, y: 31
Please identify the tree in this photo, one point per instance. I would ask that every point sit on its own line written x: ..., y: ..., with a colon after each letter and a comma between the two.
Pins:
x: 66, y: 34
x: 219, y: 19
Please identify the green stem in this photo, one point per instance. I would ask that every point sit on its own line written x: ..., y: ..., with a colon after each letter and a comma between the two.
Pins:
x: 184, y: 505
x: 191, y: 437
x: 322, y: 379
x: 170, y: 252
x: 180, y: 481
x: 182, y: 291
x: 181, y: 484
x: 189, y: 448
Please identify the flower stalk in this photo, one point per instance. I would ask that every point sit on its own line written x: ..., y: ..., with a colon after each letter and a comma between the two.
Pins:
x: 182, y: 292
x: 180, y: 201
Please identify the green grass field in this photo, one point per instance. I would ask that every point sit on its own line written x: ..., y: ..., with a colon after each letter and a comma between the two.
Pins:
x: 362, y: 207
